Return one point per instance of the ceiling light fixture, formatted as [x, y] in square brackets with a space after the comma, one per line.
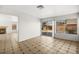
[40, 6]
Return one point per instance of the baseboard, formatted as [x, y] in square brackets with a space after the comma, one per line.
[29, 38]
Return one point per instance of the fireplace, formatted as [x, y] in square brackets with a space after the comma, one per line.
[2, 30]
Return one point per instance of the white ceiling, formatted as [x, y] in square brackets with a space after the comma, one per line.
[47, 11]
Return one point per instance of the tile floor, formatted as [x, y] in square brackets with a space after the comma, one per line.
[48, 45]
[38, 45]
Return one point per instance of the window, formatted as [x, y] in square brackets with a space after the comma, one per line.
[67, 26]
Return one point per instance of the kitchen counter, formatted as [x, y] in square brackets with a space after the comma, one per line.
[46, 30]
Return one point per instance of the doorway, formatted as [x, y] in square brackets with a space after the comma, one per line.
[48, 28]
[9, 26]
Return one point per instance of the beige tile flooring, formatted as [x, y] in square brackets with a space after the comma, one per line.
[38, 45]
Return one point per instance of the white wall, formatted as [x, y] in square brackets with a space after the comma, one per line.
[78, 28]
[53, 28]
[29, 27]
